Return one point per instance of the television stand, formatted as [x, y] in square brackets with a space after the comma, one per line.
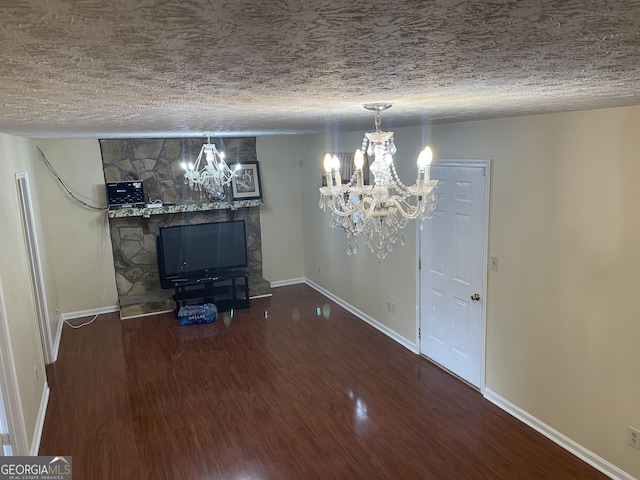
[221, 290]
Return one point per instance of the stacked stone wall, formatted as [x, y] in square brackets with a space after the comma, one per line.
[157, 162]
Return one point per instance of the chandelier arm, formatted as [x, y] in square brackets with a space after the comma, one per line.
[369, 211]
[196, 167]
[406, 209]
[400, 187]
[366, 206]
[413, 212]
[338, 199]
[340, 208]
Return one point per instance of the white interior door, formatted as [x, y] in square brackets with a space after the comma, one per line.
[453, 252]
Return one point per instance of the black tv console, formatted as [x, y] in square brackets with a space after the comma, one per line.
[221, 290]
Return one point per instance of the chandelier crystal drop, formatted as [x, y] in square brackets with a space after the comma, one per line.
[211, 176]
[377, 213]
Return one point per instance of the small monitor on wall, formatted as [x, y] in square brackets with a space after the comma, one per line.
[125, 194]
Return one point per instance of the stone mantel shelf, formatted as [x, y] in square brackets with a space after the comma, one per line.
[182, 208]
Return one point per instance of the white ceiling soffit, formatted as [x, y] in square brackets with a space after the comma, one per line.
[149, 68]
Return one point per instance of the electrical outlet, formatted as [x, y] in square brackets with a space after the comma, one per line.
[391, 307]
[634, 438]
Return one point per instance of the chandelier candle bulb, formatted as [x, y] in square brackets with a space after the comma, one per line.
[336, 165]
[358, 159]
[424, 162]
[358, 162]
[328, 166]
[328, 163]
[427, 167]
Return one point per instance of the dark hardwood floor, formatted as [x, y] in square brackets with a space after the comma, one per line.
[296, 395]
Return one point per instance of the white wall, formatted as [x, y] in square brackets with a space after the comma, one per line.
[562, 322]
[79, 237]
[17, 155]
[46, 255]
[281, 214]
[360, 280]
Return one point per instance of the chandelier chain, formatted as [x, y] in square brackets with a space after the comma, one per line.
[378, 121]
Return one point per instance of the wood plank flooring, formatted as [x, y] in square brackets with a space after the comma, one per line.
[310, 392]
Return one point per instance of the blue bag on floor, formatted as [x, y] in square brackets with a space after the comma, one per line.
[196, 314]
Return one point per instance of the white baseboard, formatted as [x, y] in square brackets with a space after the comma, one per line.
[139, 315]
[56, 340]
[565, 442]
[284, 283]
[562, 440]
[89, 313]
[366, 318]
[37, 432]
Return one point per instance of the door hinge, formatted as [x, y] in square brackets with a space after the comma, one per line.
[419, 333]
[6, 440]
[419, 264]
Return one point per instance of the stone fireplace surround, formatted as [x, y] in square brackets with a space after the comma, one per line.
[133, 237]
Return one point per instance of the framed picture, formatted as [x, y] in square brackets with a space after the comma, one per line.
[245, 183]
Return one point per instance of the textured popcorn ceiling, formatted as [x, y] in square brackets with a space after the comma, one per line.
[89, 68]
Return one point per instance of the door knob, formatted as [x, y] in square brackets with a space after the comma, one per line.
[475, 297]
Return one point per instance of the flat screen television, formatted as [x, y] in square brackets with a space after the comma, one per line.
[200, 251]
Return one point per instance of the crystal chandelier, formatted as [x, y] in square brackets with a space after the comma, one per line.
[211, 177]
[377, 213]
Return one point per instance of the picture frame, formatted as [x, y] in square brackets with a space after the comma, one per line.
[245, 183]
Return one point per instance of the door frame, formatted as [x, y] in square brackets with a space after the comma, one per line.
[485, 260]
[10, 390]
[30, 232]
